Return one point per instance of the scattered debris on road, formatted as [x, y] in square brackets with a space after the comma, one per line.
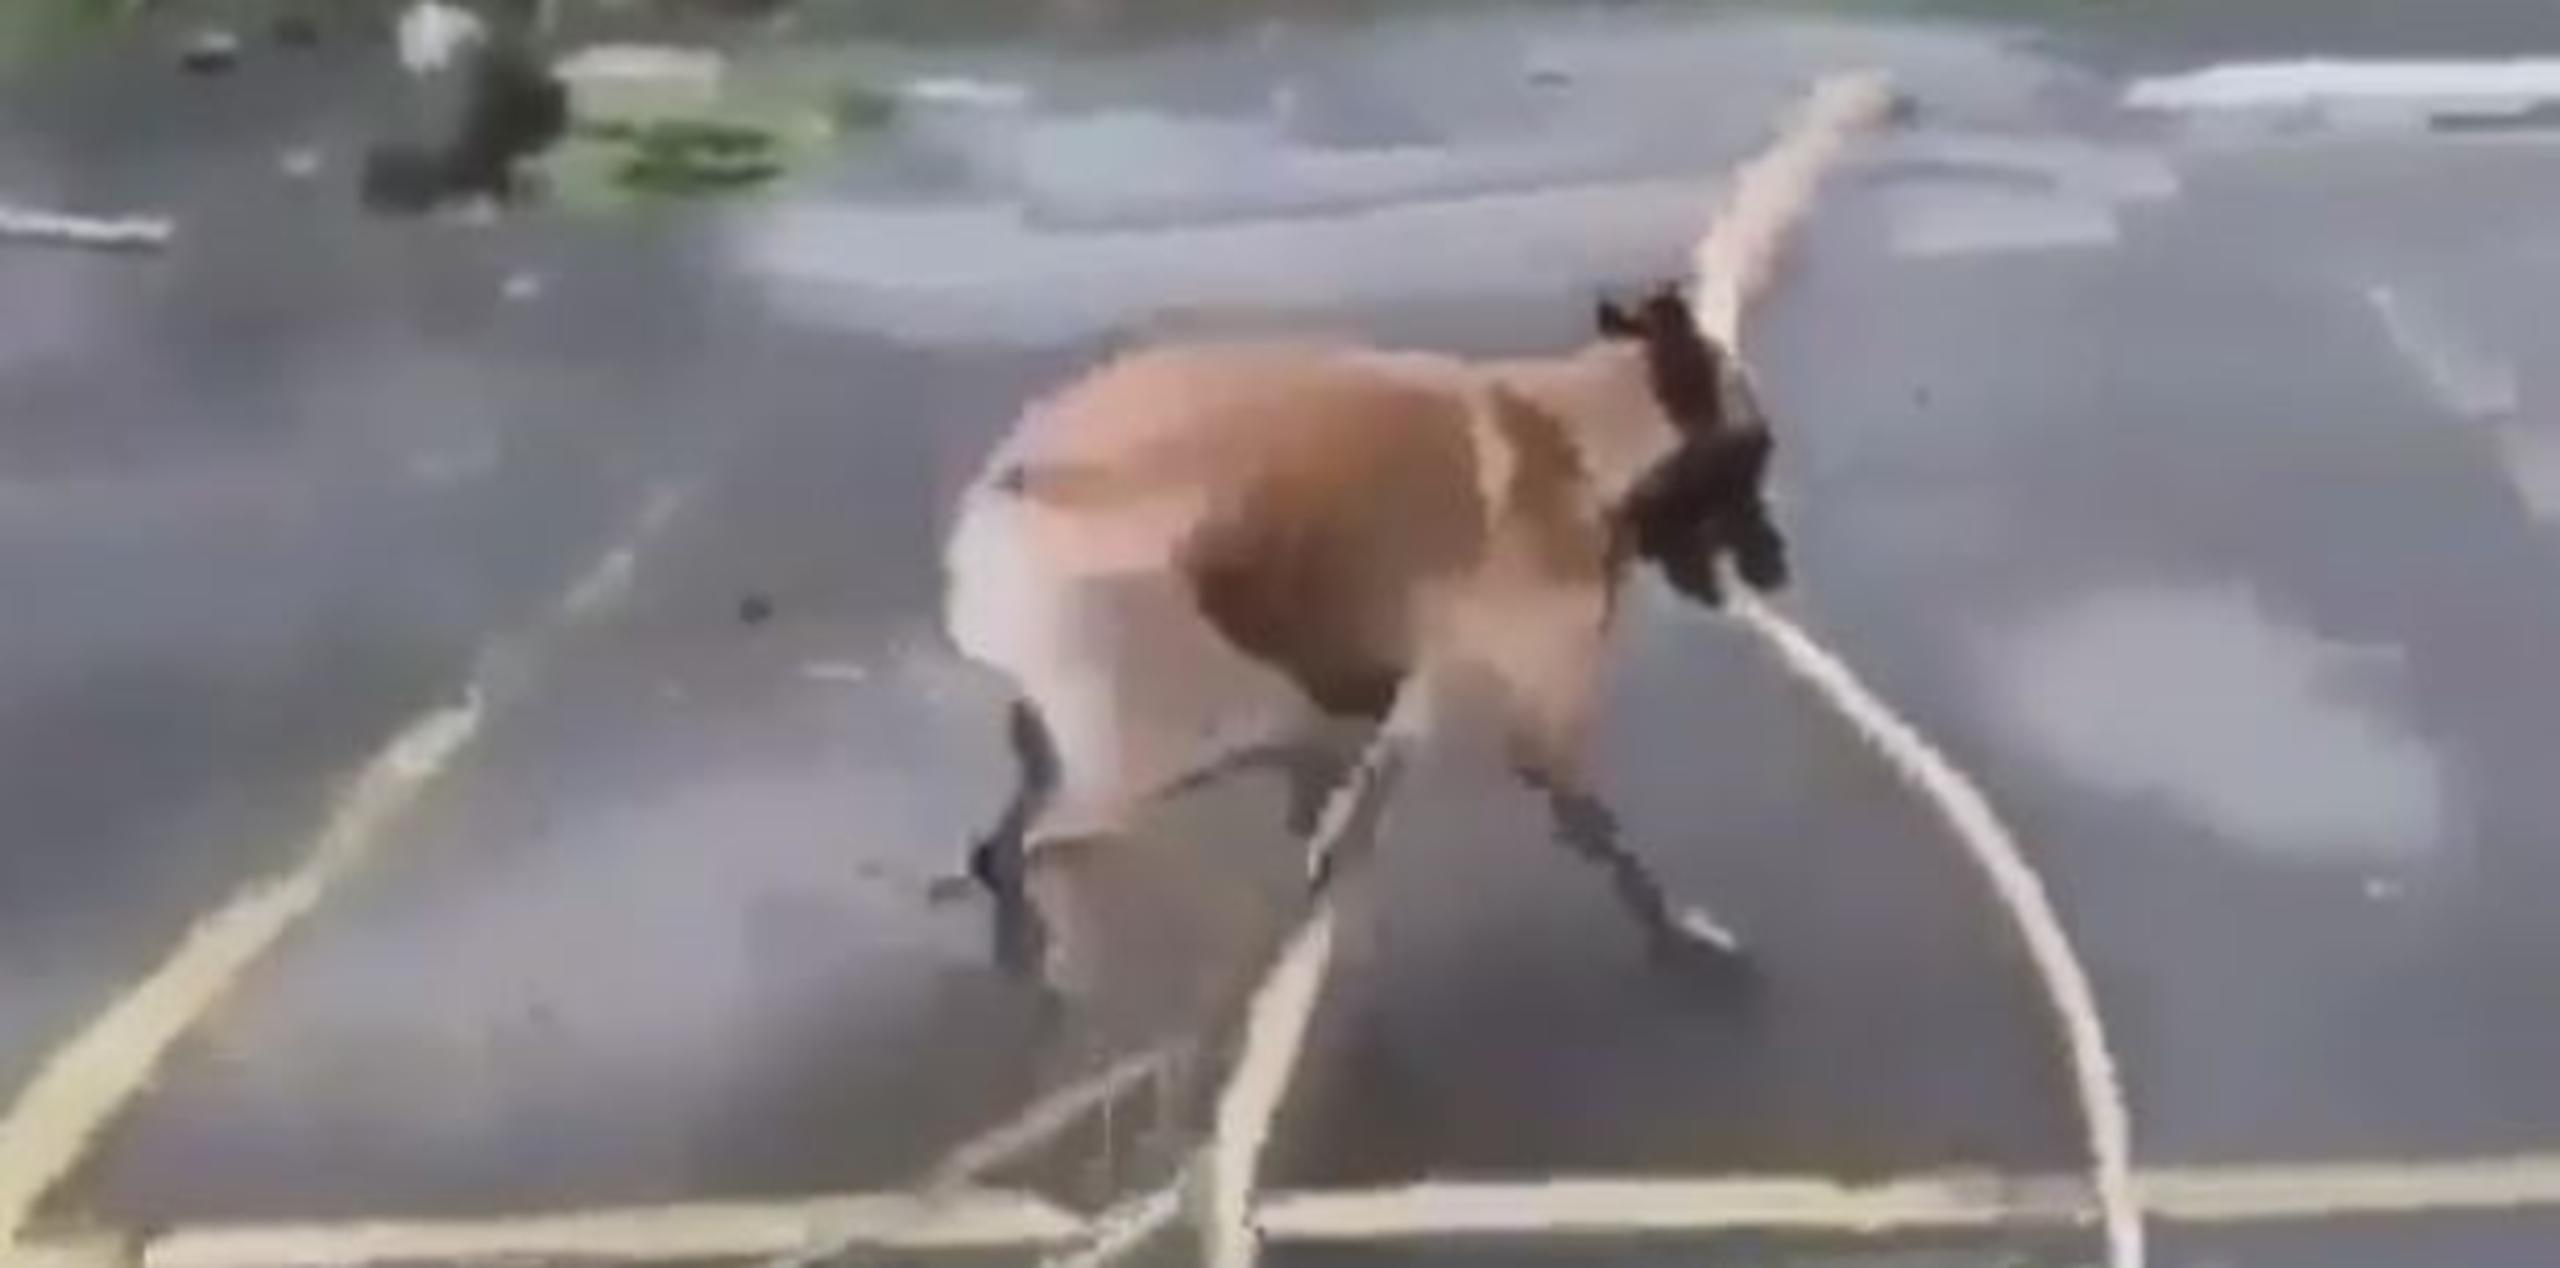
[300, 163]
[755, 609]
[695, 156]
[432, 34]
[620, 80]
[21, 224]
[958, 91]
[659, 122]
[513, 108]
[210, 52]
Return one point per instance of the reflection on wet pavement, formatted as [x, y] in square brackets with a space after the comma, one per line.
[2202, 700]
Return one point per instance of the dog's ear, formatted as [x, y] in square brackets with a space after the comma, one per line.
[1739, 459]
[1614, 322]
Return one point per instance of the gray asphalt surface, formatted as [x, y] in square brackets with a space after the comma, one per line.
[2187, 482]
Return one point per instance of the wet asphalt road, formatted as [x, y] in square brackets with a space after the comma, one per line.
[2187, 482]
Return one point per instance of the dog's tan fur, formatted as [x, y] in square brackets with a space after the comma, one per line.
[1298, 527]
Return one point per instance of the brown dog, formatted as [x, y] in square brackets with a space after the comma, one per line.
[1189, 556]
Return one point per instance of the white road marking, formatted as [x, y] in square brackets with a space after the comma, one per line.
[2232, 1195]
[2336, 81]
[1609, 1206]
[609, 578]
[2099, 1089]
[1043, 1119]
[110, 233]
[1735, 262]
[95, 1250]
[1768, 195]
[1126, 1226]
[2466, 378]
[1275, 1033]
[1566, 1206]
[690, 1231]
[1554, 1208]
[1276, 1017]
[965, 1164]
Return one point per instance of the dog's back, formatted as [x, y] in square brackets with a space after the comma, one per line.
[1305, 496]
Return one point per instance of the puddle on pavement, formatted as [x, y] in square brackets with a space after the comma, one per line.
[2204, 699]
